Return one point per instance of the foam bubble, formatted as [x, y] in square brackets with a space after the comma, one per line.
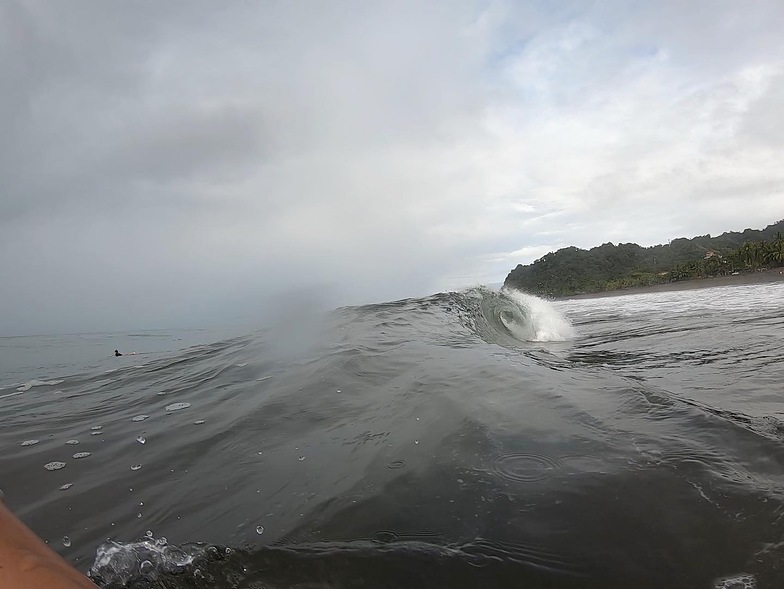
[118, 565]
[66, 486]
[136, 466]
[177, 406]
[66, 541]
[30, 442]
[140, 418]
[54, 465]
[72, 442]
[79, 455]
[739, 581]
[141, 439]
[259, 530]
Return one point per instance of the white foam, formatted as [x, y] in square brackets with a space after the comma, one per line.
[11, 394]
[37, 383]
[547, 324]
[177, 406]
[118, 564]
[739, 581]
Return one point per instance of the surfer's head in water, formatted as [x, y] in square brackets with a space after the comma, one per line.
[117, 353]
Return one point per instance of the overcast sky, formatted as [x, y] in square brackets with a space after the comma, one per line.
[182, 163]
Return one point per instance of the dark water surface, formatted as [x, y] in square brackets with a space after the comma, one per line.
[467, 439]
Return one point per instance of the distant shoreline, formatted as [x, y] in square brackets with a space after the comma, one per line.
[759, 277]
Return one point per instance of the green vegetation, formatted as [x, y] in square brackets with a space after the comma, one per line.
[572, 270]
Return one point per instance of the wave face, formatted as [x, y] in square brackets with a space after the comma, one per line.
[467, 439]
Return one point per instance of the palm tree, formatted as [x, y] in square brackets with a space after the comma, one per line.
[753, 253]
[776, 250]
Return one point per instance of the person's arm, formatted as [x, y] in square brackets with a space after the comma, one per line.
[27, 563]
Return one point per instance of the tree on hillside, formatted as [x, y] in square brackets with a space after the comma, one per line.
[776, 251]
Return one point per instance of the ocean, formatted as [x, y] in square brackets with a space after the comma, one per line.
[466, 439]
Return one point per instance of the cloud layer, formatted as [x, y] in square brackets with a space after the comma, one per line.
[183, 163]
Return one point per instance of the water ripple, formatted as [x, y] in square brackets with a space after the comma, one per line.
[524, 468]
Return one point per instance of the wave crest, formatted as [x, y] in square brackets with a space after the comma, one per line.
[511, 317]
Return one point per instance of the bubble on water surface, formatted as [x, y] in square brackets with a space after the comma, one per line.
[198, 422]
[30, 442]
[741, 581]
[66, 541]
[54, 465]
[95, 433]
[141, 439]
[72, 442]
[66, 486]
[96, 427]
[177, 406]
[79, 455]
[259, 530]
[140, 418]
[136, 466]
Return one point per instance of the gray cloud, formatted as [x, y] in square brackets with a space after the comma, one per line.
[185, 163]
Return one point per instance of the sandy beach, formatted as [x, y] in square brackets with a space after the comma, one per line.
[760, 277]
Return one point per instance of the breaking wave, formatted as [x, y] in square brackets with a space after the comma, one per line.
[511, 317]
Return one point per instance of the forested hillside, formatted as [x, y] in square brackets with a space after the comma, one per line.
[609, 267]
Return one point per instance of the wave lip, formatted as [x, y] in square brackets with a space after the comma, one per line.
[545, 323]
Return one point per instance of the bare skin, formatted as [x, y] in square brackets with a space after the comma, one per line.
[26, 562]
